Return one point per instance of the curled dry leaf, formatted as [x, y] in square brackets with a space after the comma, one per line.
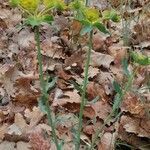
[94, 90]
[107, 142]
[99, 59]
[140, 127]
[5, 145]
[33, 116]
[68, 97]
[3, 130]
[93, 71]
[133, 105]
[38, 142]
[51, 49]
[102, 109]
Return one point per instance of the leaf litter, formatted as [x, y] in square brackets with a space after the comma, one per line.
[23, 125]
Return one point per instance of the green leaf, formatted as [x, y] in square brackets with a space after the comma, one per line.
[101, 27]
[50, 85]
[32, 21]
[117, 103]
[48, 19]
[125, 67]
[111, 15]
[86, 29]
[41, 104]
[14, 3]
[140, 58]
[117, 87]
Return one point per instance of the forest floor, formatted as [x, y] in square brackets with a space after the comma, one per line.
[24, 126]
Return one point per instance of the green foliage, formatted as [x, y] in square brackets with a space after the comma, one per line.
[111, 15]
[39, 20]
[140, 58]
[14, 3]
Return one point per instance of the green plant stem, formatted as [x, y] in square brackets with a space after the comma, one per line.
[43, 87]
[126, 89]
[83, 100]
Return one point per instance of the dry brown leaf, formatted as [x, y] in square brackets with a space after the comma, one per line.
[51, 49]
[99, 44]
[3, 130]
[133, 105]
[134, 125]
[20, 122]
[102, 109]
[23, 146]
[94, 90]
[107, 142]
[118, 52]
[68, 97]
[38, 141]
[33, 116]
[92, 72]
[99, 59]
[5, 145]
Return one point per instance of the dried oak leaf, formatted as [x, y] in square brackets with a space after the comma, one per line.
[93, 71]
[34, 116]
[3, 130]
[5, 145]
[94, 90]
[140, 127]
[133, 105]
[99, 59]
[68, 97]
[26, 93]
[23, 145]
[102, 109]
[51, 49]
[107, 142]
[38, 141]
[8, 75]
[118, 52]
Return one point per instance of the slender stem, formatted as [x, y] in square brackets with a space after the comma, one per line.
[126, 89]
[83, 100]
[43, 87]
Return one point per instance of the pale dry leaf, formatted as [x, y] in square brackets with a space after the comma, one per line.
[23, 146]
[38, 141]
[3, 130]
[25, 38]
[133, 105]
[93, 71]
[99, 59]
[102, 109]
[5, 145]
[107, 141]
[21, 123]
[50, 49]
[34, 116]
[68, 97]
[99, 42]
[133, 125]
[14, 130]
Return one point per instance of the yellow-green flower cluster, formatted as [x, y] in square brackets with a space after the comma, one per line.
[91, 15]
[32, 6]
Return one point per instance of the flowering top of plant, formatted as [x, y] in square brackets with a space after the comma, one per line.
[37, 10]
[92, 15]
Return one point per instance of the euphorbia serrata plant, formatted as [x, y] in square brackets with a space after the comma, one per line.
[36, 12]
[91, 19]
